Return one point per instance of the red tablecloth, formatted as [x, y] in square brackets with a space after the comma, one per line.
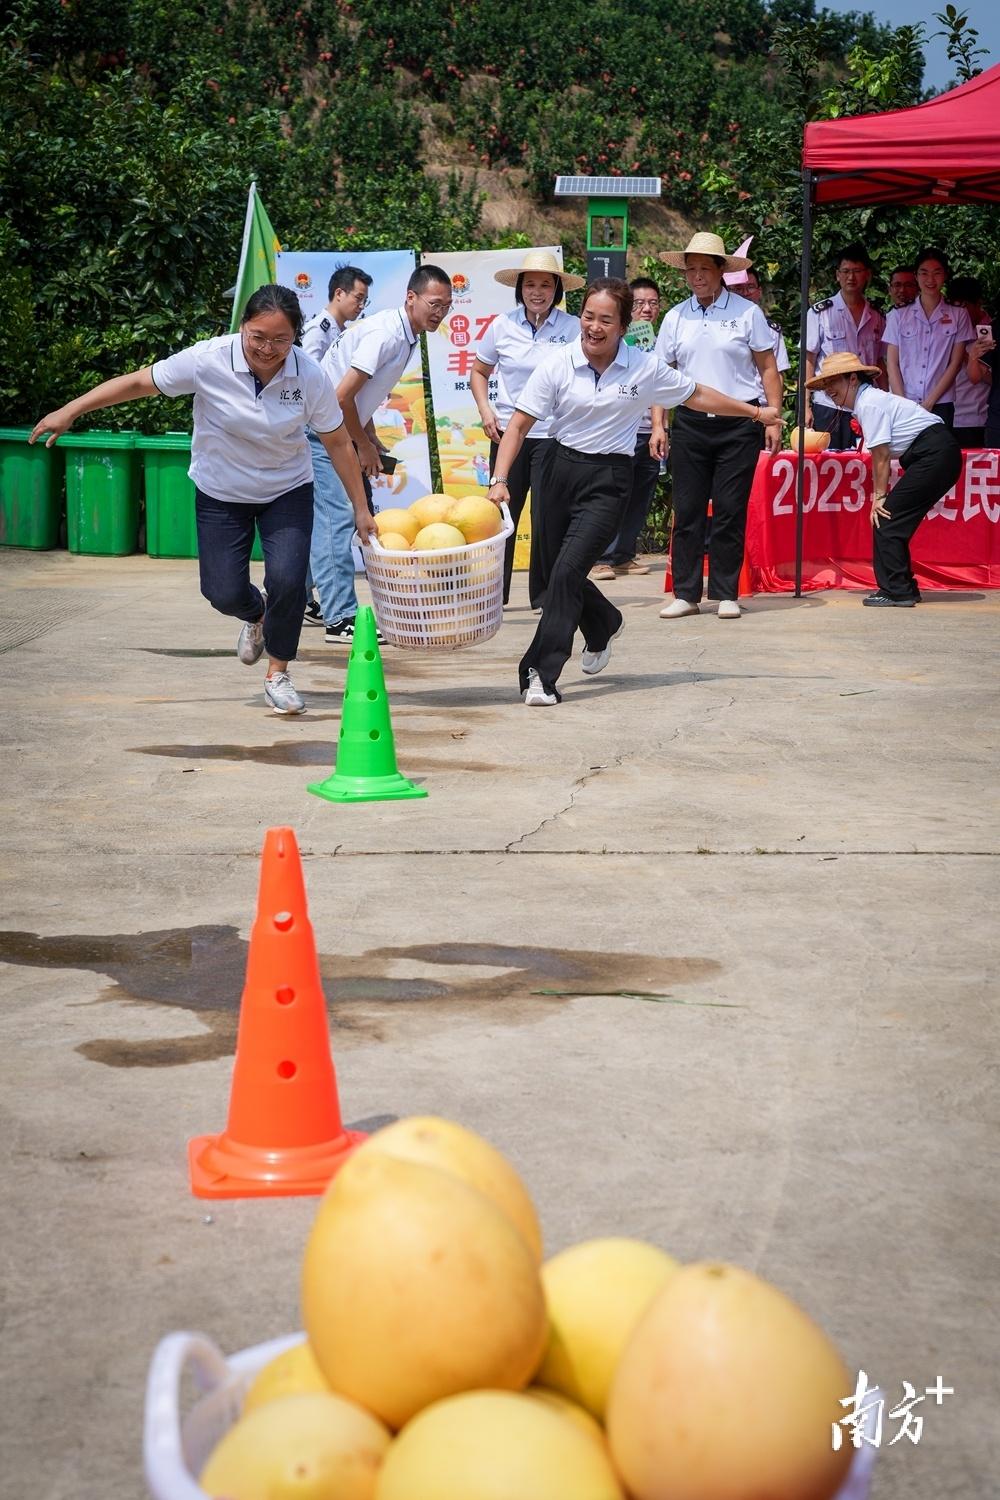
[956, 547]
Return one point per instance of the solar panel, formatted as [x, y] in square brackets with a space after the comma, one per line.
[608, 187]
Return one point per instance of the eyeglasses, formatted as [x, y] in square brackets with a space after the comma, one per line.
[361, 298]
[435, 307]
[258, 341]
[645, 301]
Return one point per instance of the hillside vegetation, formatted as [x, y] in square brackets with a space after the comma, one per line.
[131, 128]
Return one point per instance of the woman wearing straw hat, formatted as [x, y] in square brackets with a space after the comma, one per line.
[595, 393]
[929, 456]
[722, 340]
[512, 347]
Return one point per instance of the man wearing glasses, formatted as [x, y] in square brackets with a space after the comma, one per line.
[363, 367]
[620, 556]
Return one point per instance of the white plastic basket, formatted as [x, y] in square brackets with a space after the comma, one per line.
[439, 601]
[176, 1447]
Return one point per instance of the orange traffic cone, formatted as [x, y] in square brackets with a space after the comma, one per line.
[284, 1136]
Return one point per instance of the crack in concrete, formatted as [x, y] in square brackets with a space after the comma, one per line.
[578, 787]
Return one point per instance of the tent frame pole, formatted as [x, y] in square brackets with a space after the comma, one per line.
[808, 201]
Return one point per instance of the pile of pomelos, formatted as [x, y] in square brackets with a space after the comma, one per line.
[436, 522]
[445, 1361]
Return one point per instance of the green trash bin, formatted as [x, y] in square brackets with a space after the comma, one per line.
[30, 491]
[171, 527]
[102, 492]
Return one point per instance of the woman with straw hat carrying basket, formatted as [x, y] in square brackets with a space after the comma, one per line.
[722, 340]
[512, 347]
[928, 455]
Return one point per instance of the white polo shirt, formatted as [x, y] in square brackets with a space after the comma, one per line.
[601, 413]
[380, 347]
[715, 345]
[512, 343]
[925, 345]
[831, 329]
[885, 418]
[249, 444]
[320, 333]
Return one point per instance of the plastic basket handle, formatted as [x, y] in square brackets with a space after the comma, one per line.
[175, 1355]
[508, 526]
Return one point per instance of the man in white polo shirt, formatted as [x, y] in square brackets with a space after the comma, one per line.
[844, 323]
[363, 367]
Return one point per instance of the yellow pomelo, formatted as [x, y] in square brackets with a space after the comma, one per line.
[288, 1374]
[815, 441]
[476, 518]
[451, 1148]
[490, 1445]
[399, 521]
[305, 1447]
[596, 1292]
[394, 541]
[556, 1401]
[415, 1286]
[727, 1391]
[431, 508]
[437, 536]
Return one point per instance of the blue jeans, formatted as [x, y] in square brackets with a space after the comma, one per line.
[331, 561]
[225, 537]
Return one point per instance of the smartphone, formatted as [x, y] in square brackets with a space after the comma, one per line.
[388, 463]
[984, 330]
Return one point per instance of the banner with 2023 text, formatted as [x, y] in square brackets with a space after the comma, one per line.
[463, 447]
[401, 420]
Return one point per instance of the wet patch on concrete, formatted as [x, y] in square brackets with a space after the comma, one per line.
[201, 970]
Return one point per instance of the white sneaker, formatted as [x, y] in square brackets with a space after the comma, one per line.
[535, 695]
[281, 695]
[678, 610]
[250, 646]
[595, 661]
[729, 609]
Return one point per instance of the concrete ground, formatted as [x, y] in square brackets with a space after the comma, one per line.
[708, 950]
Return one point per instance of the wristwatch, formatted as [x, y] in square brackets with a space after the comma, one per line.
[497, 479]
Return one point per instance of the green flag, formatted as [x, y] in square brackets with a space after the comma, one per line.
[257, 265]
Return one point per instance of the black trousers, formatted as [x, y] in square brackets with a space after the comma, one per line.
[585, 495]
[930, 465]
[645, 473]
[711, 458]
[527, 472]
[970, 437]
[837, 423]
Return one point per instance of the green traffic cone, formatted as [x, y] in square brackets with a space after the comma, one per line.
[366, 769]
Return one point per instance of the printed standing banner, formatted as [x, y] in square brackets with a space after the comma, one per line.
[463, 448]
[401, 421]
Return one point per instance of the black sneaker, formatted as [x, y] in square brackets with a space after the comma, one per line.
[342, 631]
[884, 601]
[313, 614]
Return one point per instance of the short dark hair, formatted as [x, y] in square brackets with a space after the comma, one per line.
[902, 271]
[968, 288]
[931, 252]
[274, 298]
[343, 280]
[854, 251]
[425, 276]
[644, 283]
[752, 271]
[619, 291]
[519, 285]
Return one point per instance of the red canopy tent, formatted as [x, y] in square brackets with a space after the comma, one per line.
[944, 151]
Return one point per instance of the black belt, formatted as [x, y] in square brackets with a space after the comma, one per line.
[576, 456]
[934, 436]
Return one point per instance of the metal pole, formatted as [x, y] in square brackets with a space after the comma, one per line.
[808, 194]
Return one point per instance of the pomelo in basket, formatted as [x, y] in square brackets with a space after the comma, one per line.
[596, 1293]
[556, 1401]
[312, 1447]
[436, 537]
[451, 1148]
[815, 441]
[477, 519]
[727, 1391]
[431, 508]
[402, 522]
[491, 1445]
[416, 1286]
[288, 1374]
[394, 541]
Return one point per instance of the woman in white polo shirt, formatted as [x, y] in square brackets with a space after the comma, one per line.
[594, 394]
[720, 339]
[254, 393]
[511, 349]
[928, 455]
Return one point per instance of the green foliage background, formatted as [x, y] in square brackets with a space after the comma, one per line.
[129, 131]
